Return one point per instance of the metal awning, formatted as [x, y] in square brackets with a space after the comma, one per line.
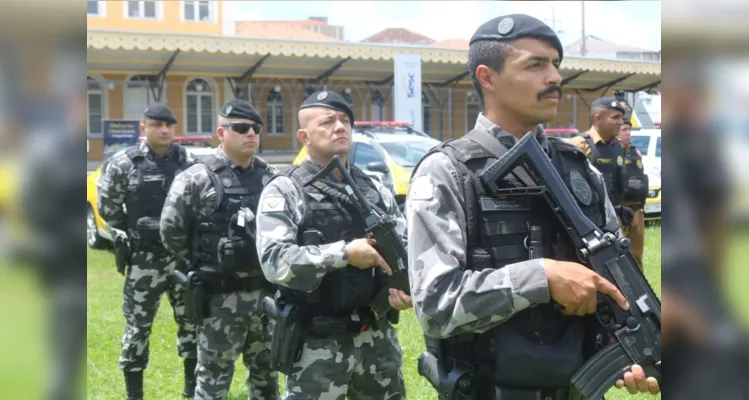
[254, 58]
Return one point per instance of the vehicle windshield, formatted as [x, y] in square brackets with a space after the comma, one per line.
[642, 142]
[658, 147]
[407, 154]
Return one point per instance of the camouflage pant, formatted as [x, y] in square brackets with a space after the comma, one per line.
[68, 339]
[361, 366]
[234, 327]
[148, 278]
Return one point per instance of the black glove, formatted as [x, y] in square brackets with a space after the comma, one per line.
[627, 216]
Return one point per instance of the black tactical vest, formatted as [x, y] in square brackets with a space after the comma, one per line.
[609, 160]
[148, 186]
[329, 217]
[537, 347]
[635, 180]
[224, 241]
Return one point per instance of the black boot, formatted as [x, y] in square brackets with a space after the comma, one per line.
[134, 385]
[189, 390]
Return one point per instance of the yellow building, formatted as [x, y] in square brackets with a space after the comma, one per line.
[190, 54]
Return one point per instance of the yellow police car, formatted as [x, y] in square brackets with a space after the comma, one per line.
[98, 233]
[387, 151]
[648, 141]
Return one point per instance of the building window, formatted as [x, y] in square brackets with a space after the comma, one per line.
[426, 114]
[95, 8]
[473, 109]
[95, 107]
[378, 106]
[200, 102]
[141, 9]
[349, 99]
[138, 95]
[197, 11]
[275, 113]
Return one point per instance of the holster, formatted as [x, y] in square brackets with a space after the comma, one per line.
[286, 344]
[457, 384]
[196, 299]
[626, 214]
[122, 254]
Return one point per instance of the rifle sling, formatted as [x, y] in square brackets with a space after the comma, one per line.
[492, 145]
[336, 193]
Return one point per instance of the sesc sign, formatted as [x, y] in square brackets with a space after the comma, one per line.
[407, 89]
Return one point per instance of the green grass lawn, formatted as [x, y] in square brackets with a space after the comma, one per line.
[163, 378]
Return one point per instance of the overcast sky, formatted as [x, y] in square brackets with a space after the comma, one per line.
[634, 23]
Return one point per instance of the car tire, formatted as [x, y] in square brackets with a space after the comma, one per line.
[94, 240]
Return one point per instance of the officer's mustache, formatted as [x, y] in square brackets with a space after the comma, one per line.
[550, 90]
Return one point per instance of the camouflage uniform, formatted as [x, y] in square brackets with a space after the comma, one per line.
[234, 325]
[449, 300]
[148, 276]
[362, 365]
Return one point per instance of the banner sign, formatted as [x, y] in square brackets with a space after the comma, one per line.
[119, 134]
[407, 90]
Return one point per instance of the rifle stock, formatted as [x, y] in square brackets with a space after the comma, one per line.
[381, 228]
[637, 331]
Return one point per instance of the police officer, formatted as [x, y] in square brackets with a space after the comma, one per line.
[482, 298]
[602, 147]
[635, 191]
[209, 219]
[132, 190]
[310, 241]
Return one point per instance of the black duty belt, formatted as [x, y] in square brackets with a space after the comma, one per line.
[634, 206]
[220, 285]
[502, 393]
[328, 325]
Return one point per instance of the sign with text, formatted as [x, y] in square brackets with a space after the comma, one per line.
[407, 89]
[119, 134]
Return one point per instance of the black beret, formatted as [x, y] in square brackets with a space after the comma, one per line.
[610, 103]
[516, 26]
[331, 100]
[159, 112]
[238, 108]
[627, 121]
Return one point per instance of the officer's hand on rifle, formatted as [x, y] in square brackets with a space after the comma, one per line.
[363, 255]
[635, 381]
[399, 300]
[574, 286]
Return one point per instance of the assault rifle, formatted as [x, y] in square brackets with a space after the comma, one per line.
[637, 332]
[381, 228]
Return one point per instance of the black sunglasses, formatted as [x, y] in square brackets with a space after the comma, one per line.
[244, 127]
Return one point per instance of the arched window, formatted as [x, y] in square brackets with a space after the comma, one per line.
[473, 108]
[275, 113]
[199, 102]
[138, 95]
[94, 106]
[378, 106]
[426, 114]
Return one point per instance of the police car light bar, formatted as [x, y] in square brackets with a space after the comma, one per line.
[381, 123]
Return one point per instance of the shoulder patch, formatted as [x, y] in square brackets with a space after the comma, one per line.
[273, 204]
[422, 188]
[178, 187]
